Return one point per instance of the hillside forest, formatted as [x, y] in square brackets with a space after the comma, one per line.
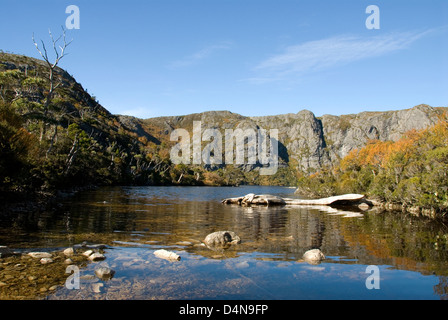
[56, 136]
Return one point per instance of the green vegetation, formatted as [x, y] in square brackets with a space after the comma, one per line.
[68, 140]
[412, 171]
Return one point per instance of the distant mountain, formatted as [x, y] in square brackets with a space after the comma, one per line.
[80, 142]
[306, 141]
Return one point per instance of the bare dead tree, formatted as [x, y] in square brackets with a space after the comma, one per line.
[59, 51]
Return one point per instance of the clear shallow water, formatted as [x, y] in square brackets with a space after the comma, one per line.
[411, 253]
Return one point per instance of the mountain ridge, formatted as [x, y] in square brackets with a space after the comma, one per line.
[314, 141]
[133, 148]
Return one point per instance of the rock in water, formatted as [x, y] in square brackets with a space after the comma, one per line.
[96, 287]
[104, 273]
[96, 256]
[87, 253]
[46, 260]
[167, 255]
[222, 239]
[314, 256]
[39, 255]
[69, 252]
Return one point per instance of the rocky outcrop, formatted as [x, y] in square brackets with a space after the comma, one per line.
[314, 142]
[347, 132]
[307, 141]
[302, 135]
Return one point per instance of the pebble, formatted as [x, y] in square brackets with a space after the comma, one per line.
[23, 278]
[184, 243]
[39, 255]
[87, 253]
[46, 260]
[104, 273]
[96, 256]
[69, 251]
[88, 277]
[96, 287]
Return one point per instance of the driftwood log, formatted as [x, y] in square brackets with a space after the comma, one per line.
[267, 199]
[252, 198]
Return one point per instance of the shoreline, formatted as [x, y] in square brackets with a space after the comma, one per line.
[37, 201]
[418, 211]
[40, 201]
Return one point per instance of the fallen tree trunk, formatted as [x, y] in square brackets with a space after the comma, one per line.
[266, 199]
[252, 198]
[342, 199]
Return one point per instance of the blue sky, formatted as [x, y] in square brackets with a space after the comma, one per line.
[252, 57]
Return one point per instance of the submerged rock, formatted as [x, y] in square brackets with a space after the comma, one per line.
[96, 287]
[167, 255]
[96, 256]
[104, 273]
[221, 239]
[46, 260]
[39, 255]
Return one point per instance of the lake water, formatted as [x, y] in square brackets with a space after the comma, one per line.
[409, 254]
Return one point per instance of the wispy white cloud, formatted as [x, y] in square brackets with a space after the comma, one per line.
[322, 54]
[200, 55]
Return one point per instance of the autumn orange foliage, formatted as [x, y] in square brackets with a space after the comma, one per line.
[413, 169]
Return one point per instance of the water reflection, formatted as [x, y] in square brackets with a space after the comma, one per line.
[178, 218]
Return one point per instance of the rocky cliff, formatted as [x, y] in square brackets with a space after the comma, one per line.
[306, 141]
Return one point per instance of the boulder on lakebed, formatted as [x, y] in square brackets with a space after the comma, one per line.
[221, 239]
